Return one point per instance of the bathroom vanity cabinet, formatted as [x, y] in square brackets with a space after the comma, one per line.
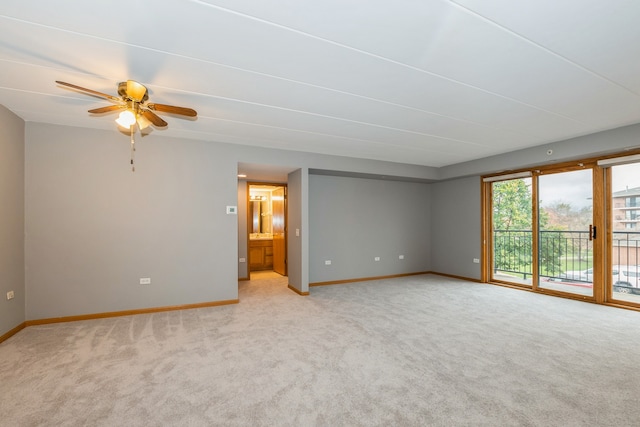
[261, 254]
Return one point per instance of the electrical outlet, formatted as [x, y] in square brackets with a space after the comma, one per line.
[243, 260]
[476, 261]
[145, 281]
[10, 295]
[400, 256]
[327, 262]
[377, 258]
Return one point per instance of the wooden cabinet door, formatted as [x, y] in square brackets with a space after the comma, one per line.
[256, 257]
[278, 206]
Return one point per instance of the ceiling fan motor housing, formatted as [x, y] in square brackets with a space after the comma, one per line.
[133, 90]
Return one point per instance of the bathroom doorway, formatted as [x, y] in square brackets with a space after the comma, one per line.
[266, 227]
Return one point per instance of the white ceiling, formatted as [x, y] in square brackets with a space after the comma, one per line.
[428, 82]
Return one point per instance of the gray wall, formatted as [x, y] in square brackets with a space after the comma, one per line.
[354, 220]
[12, 312]
[606, 142]
[298, 219]
[94, 227]
[243, 267]
[455, 227]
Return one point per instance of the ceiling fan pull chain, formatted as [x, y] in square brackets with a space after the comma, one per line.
[133, 150]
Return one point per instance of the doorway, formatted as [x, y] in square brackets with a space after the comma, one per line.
[266, 228]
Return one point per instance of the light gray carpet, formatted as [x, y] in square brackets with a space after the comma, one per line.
[415, 351]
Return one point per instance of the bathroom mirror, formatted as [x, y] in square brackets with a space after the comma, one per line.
[260, 213]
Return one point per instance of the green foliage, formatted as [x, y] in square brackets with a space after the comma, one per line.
[512, 224]
[552, 246]
[512, 205]
[513, 235]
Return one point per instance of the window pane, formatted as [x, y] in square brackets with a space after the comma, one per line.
[565, 252]
[625, 200]
[512, 231]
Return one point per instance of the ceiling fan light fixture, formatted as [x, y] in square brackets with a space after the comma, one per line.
[126, 119]
[143, 123]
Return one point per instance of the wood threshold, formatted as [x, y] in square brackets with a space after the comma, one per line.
[543, 291]
[453, 276]
[13, 331]
[619, 305]
[565, 295]
[304, 294]
[128, 312]
[568, 295]
[364, 279]
[522, 287]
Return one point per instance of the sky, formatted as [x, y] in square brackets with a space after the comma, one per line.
[575, 187]
[626, 175]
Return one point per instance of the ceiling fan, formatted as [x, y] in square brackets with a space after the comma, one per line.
[134, 108]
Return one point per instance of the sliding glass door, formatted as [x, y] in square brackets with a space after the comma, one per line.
[512, 231]
[624, 237]
[541, 232]
[566, 231]
[572, 230]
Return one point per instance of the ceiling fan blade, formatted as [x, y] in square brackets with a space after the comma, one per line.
[107, 109]
[173, 109]
[153, 118]
[89, 91]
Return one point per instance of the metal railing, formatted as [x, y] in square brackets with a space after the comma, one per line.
[561, 253]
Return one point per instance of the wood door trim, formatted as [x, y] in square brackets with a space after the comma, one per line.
[248, 191]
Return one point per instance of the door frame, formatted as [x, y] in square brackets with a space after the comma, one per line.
[599, 219]
[607, 166]
[598, 245]
[603, 220]
[249, 222]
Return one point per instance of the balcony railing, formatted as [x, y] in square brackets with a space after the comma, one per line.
[560, 252]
